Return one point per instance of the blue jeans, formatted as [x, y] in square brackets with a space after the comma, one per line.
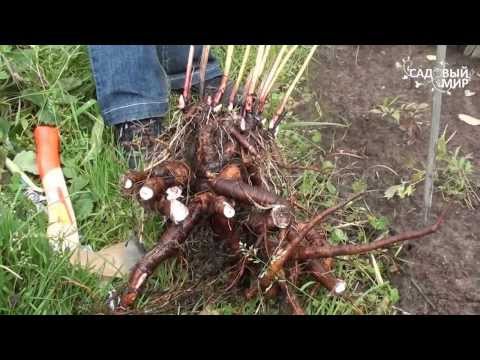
[133, 82]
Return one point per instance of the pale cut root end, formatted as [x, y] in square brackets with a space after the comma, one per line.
[340, 287]
[146, 193]
[174, 192]
[128, 184]
[228, 210]
[243, 125]
[178, 211]
[181, 102]
[281, 216]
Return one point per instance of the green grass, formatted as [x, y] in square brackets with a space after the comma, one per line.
[53, 84]
[455, 174]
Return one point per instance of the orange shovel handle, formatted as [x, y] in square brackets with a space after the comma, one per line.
[47, 141]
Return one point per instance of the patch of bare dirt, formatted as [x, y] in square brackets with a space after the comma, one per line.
[442, 272]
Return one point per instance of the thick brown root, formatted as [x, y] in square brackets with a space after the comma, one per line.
[245, 193]
[341, 250]
[226, 179]
[168, 246]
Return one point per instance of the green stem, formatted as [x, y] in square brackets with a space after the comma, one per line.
[274, 122]
[239, 78]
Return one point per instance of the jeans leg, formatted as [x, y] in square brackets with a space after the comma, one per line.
[174, 59]
[131, 83]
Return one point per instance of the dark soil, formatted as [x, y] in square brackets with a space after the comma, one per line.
[441, 274]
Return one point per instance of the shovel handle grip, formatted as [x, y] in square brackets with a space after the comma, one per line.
[47, 141]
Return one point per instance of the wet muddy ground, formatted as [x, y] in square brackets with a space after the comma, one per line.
[441, 273]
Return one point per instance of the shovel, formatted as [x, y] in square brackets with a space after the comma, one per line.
[113, 261]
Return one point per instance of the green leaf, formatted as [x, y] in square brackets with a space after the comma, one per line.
[396, 115]
[78, 184]
[338, 235]
[95, 140]
[331, 188]
[418, 176]
[379, 224]
[308, 182]
[317, 137]
[3, 156]
[25, 160]
[69, 173]
[441, 148]
[468, 167]
[83, 206]
[4, 128]
[35, 98]
[275, 97]
[4, 75]
[85, 107]
[23, 61]
[5, 48]
[394, 295]
[46, 116]
[327, 165]
[391, 191]
[69, 83]
[66, 99]
[406, 191]
[359, 185]
[15, 183]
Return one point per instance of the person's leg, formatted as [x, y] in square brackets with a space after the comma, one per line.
[131, 83]
[174, 60]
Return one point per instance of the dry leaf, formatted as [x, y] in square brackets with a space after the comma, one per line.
[391, 191]
[209, 311]
[470, 120]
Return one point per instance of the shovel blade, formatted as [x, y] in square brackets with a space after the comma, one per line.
[114, 261]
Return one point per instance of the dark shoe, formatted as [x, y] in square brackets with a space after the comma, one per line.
[138, 139]
[212, 85]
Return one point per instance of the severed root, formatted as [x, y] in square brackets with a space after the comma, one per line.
[284, 254]
[169, 207]
[319, 270]
[226, 230]
[170, 176]
[245, 193]
[160, 177]
[340, 250]
[154, 188]
[168, 246]
[132, 181]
